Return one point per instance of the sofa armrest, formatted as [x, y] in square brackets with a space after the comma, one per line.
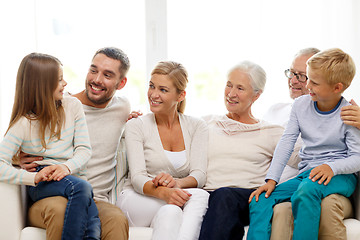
[12, 210]
[356, 198]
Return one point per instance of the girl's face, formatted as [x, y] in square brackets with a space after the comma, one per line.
[163, 95]
[58, 93]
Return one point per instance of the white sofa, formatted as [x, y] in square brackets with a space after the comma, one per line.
[13, 210]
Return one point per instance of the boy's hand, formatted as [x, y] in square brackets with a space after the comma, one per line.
[322, 172]
[268, 188]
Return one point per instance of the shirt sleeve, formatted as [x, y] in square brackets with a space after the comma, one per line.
[8, 148]
[134, 142]
[285, 147]
[82, 147]
[199, 153]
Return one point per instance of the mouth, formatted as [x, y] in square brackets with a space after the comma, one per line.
[231, 101]
[154, 102]
[95, 88]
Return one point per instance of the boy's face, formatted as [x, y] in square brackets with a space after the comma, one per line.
[319, 89]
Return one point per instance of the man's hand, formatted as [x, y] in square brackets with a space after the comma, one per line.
[322, 172]
[134, 114]
[351, 114]
[268, 188]
[26, 161]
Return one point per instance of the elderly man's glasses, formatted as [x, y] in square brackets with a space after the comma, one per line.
[299, 76]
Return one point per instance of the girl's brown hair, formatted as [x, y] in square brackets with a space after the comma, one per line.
[36, 81]
[178, 74]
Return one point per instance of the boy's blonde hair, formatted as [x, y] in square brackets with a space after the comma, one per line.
[335, 65]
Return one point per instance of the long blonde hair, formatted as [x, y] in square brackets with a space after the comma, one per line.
[178, 74]
[36, 81]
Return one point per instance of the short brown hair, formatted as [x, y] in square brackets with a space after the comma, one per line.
[335, 65]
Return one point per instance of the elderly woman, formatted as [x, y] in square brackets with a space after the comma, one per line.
[240, 151]
[167, 155]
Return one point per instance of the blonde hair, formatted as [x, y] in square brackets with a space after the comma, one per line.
[335, 65]
[36, 81]
[178, 74]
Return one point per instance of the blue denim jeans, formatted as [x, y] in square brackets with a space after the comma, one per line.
[81, 219]
[305, 196]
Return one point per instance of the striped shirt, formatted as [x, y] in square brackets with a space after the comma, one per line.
[72, 149]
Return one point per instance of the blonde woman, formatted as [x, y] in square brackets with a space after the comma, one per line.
[167, 155]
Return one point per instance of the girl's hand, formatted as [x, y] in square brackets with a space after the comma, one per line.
[41, 176]
[351, 114]
[165, 180]
[322, 172]
[176, 196]
[58, 172]
[268, 188]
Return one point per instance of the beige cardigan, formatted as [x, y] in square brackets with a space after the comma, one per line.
[146, 156]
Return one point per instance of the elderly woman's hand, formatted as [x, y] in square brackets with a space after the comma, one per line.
[165, 180]
[351, 114]
[268, 188]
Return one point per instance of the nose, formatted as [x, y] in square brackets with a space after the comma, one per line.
[65, 83]
[294, 79]
[232, 92]
[98, 79]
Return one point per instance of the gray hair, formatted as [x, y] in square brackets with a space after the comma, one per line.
[307, 51]
[255, 73]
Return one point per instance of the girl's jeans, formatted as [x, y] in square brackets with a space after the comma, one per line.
[81, 219]
[305, 196]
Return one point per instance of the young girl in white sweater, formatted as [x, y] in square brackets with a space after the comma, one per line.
[45, 124]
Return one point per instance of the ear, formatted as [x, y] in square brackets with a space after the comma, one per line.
[257, 95]
[181, 96]
[122, 83]
[338, 88]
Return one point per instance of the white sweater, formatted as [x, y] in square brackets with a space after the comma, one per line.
[73, 149]
[146, 156]
[106, 126]
[239, 154]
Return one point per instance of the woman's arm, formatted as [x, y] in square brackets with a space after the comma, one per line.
[351, 114]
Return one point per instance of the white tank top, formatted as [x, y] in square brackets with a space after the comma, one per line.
[176, 158]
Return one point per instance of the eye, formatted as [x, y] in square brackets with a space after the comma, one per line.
[164, 90]
[151, 86]
[240, 88]
[92, 70]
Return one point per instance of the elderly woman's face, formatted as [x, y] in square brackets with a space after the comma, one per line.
[239, 94]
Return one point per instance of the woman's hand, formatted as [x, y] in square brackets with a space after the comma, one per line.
[176, 196]
[165, 180]
[26, 161]
[57, 172]
[351, 114]
[268, 188]
[322, 172]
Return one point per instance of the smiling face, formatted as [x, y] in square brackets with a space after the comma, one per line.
[326, 95]
[239, 94]
[162, 95]
[296, 88]
[59, 91]
[102, 80]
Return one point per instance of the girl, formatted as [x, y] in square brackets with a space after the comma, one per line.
[45, 124]
[167, 154]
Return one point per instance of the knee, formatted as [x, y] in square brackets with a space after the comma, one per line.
[283, 209]
[50, 210]
[308, 190]
[84, 188]
[221, 195]
[199, 194]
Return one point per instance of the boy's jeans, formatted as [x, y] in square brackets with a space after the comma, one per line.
[305, 196]
[81, 216]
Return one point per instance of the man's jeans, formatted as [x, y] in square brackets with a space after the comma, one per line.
[81, 216]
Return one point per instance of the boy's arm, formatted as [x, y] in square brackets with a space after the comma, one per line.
[284, 147]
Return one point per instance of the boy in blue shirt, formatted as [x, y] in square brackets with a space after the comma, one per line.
[330, 153]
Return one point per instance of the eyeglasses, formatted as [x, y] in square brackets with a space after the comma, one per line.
[299, 76]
